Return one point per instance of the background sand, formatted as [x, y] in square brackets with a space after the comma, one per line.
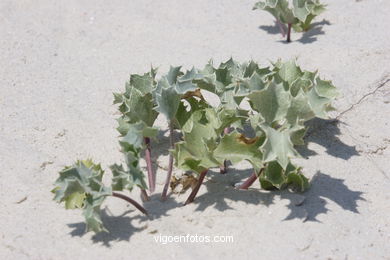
[60, 63]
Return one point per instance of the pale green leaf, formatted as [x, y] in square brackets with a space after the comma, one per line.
[278, 8]
[186, 83]
[274, 176]
[173, 74]
[80, 185]
[140, 107]
[289, 71]
[278, 146]
[300, 9]
[144, 83]
[167, 99]
[127, 179]
[75, 200]
[235, 147]
[318, 104]
[300, 109]
[326, 89]
[272, 103]
[91, 213]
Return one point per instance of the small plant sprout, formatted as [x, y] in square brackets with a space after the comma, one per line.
[296, 14]
[280, 99]
[80, 186]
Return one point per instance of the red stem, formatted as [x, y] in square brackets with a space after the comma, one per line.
[148, 159]
[196, 189]
[223, 168]
[131, 201]
[170, 164]
[289, 33]
[250, 180]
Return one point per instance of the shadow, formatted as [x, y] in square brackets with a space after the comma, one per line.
[160, 146]
[220, 189]
[272, 29]
[309, 36]
[221, 192]
[305, 206]
[315, 30]
[157, 209]
[304, 151]
[119, 229]
[324, 187]
[325, 133]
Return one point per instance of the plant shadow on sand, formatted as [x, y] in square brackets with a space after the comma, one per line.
[271, 29]
[160, 146]
[220, 191]
[315, 30]
[325, 133]
[306, 206]
[307, 37]
[120, 228]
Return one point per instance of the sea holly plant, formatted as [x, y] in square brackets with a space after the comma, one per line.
[281, 100]
[296, 14]
[138, 114]
[80, 186]
[259, 118]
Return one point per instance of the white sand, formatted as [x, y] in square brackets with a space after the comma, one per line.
[60, 63]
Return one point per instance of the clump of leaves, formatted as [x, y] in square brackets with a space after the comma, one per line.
[296, 14]
[80, 186]
[282, 98]
[279, 100]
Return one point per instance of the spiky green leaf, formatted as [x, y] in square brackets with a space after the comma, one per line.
[235, 147]
[272, 102]
[80, 186]
[278, 146]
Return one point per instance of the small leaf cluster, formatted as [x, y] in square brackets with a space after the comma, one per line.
[80, 186]
[299, 14]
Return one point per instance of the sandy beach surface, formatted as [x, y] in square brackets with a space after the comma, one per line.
[60, 61]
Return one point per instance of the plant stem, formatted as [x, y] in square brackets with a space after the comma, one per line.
[196, 189]
[249, 181]
[148, 159]
[170, 164]
[131, 201]
[289, 33]
[144, 195]
[281, 28]
[223, 168]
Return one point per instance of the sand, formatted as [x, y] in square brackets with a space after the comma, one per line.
[60, 63]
